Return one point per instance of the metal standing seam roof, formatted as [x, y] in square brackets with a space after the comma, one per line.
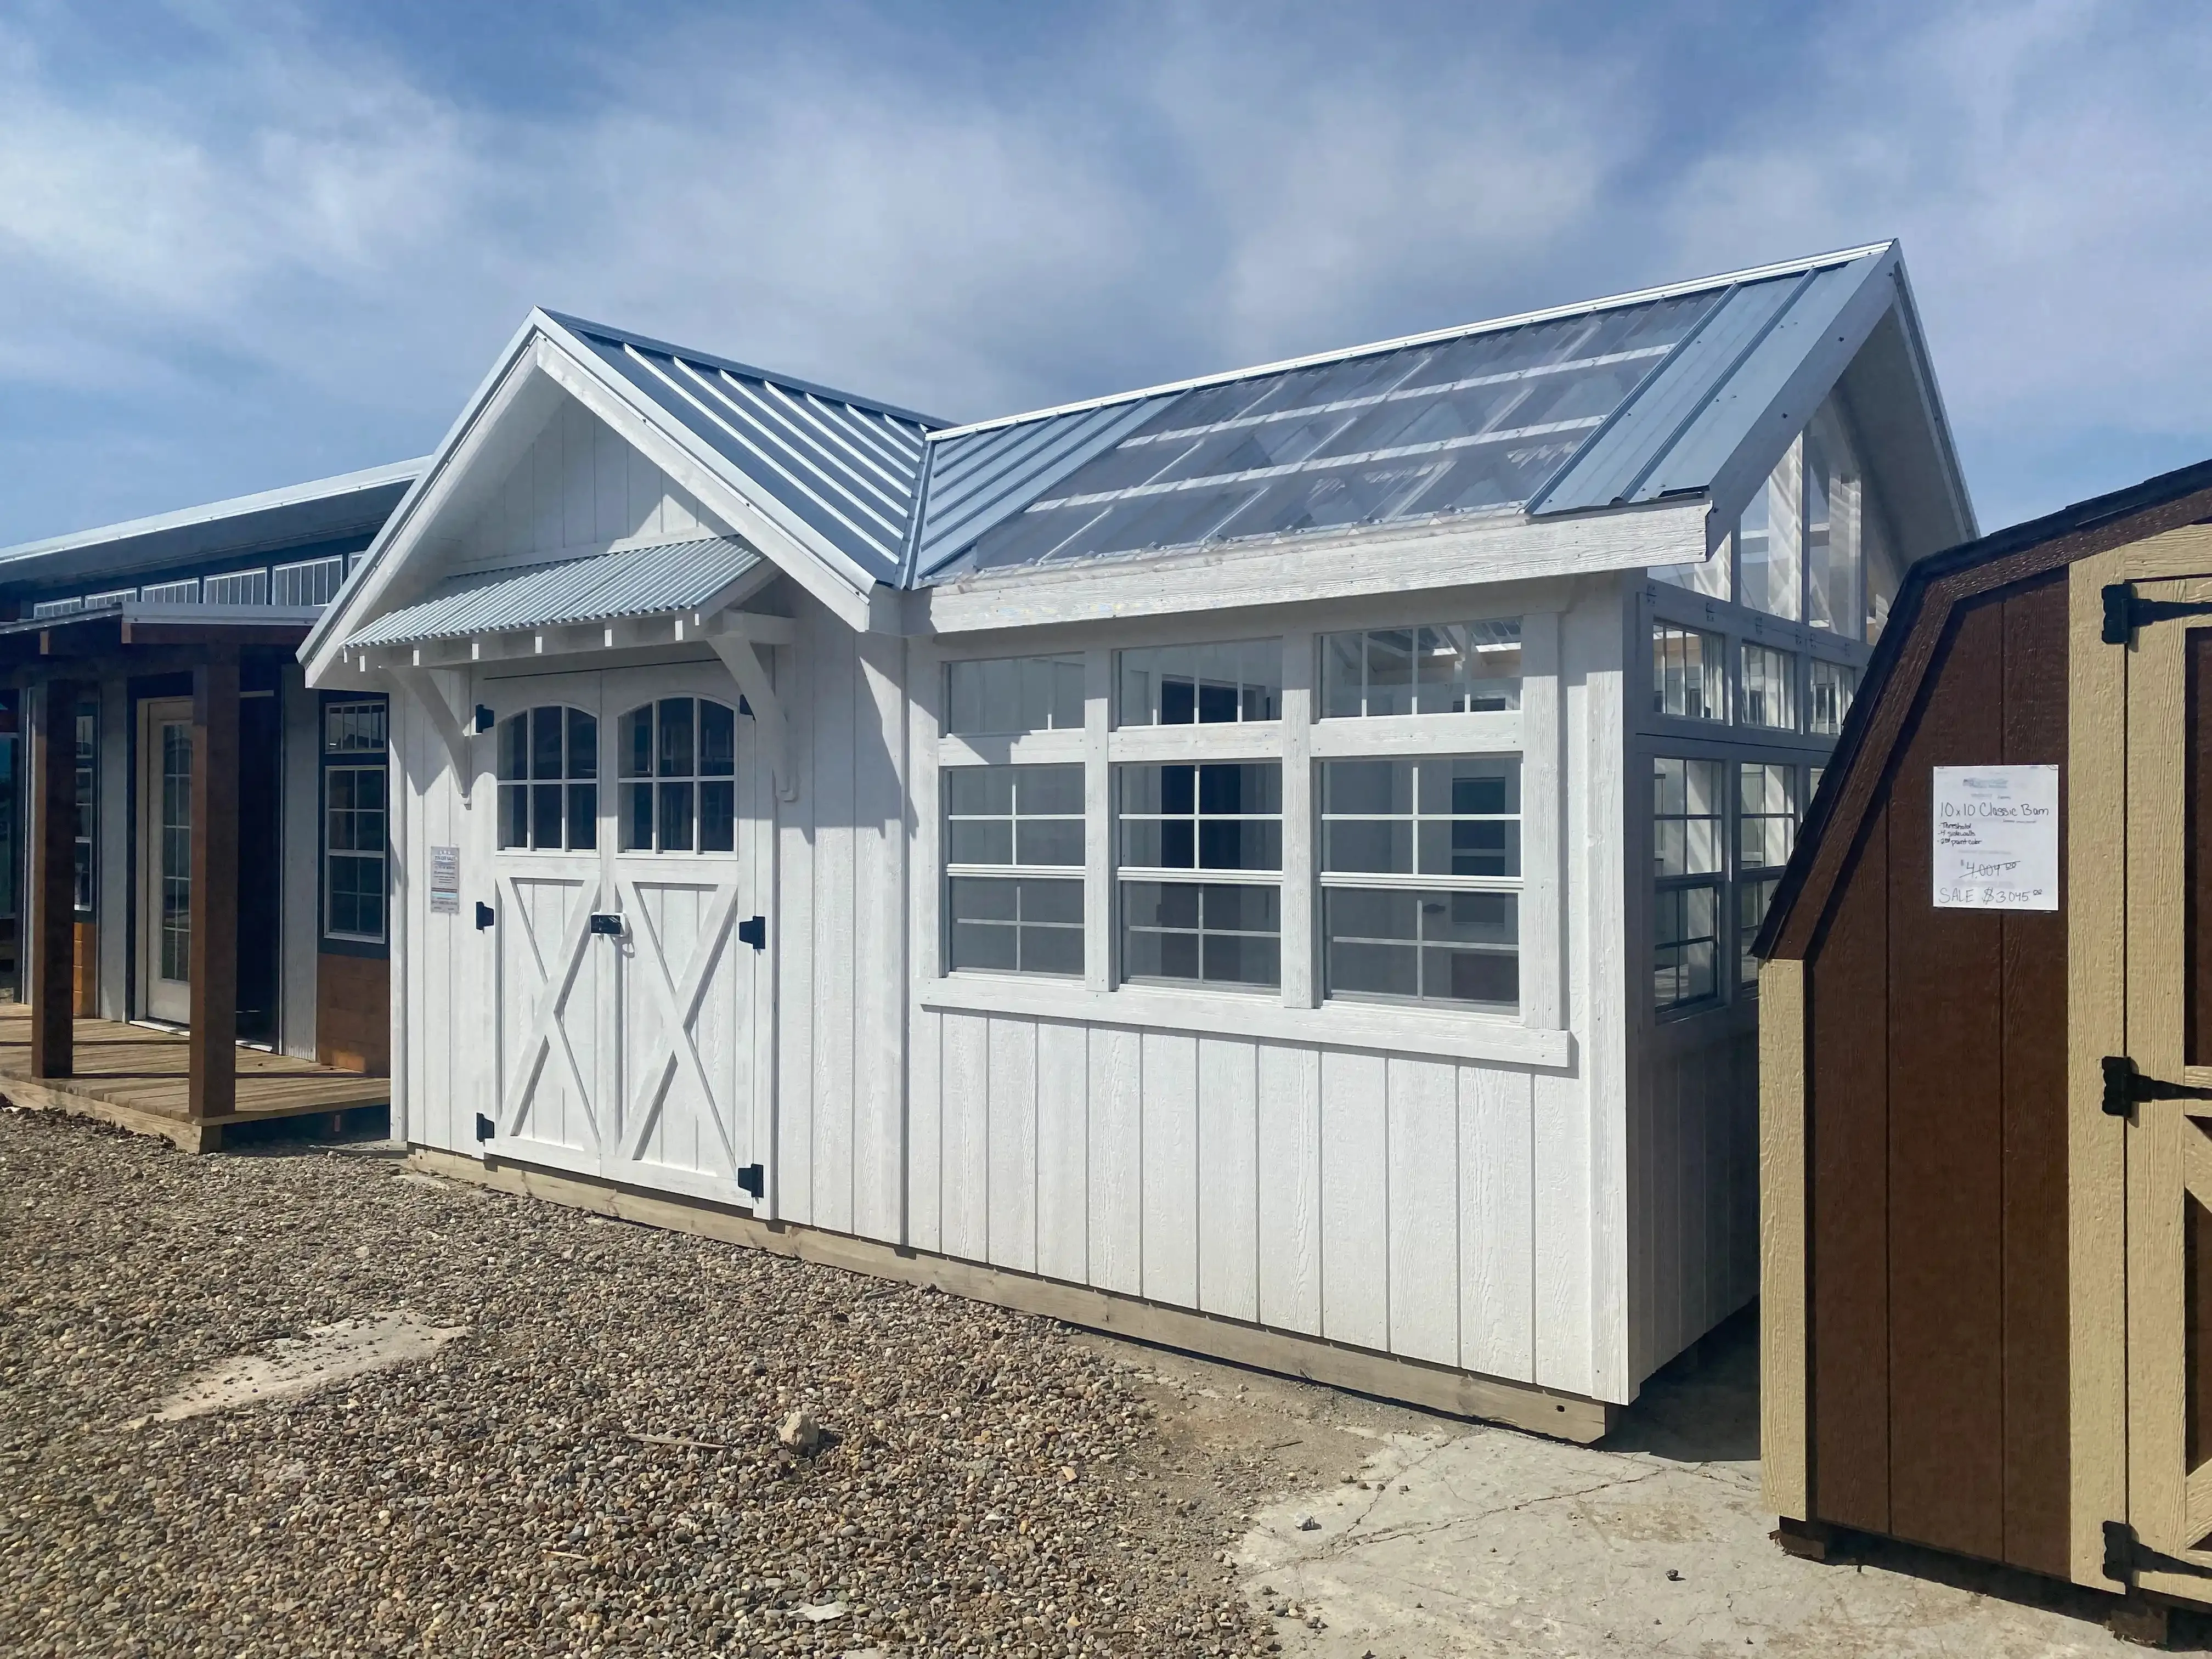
[636, 581]
[1613, 403]
[833, 467]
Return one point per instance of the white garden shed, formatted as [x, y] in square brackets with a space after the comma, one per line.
[1266, 863]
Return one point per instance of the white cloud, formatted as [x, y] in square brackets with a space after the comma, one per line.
[306, 224]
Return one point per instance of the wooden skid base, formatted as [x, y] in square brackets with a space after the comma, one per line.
[1519, 1405]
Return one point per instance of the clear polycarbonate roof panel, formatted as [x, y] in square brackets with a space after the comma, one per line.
[1467, 424]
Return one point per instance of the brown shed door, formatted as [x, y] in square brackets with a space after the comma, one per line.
[2169, 1026]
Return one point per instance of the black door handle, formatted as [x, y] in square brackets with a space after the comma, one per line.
[2126, 1088]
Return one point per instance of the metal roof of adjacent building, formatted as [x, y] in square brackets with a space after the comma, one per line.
[833, 466]
[1608, 404]
[298, 515]
[634, 582]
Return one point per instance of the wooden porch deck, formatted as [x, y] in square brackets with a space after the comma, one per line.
[134, 1076]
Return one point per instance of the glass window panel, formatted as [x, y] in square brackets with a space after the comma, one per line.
[1015, 693]
[1201, 685]
[1770, 688]
[675, 757]
[718, 816]
[636, 743]
[545, 815]
[1752, 899]
[1441, 817]
[1021, 815]
[674, 810]
[1216, 817]
[1707, 576]
[1687, 673]
[1437, 946]
[583, 744]
[583, 816]
[1766, 814]
[979, 841]
[637, 818]
[1049, 840]
[1343, 676]
[1015, 926]
[1833, 686]
[513, 746]
[514, 815]
[1769, 543]
[545, 746]
[1683, 945]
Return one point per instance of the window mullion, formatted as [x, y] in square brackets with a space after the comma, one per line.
[1099, 966]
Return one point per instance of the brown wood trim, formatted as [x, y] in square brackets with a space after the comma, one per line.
[86, 988]
[214, 1063]
[1784, 1470]
[353, 1014]
[1439, 1388]
[53, 880]
[1934, 589]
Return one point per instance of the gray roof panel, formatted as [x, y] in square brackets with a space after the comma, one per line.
[832, 469]
[634, 582]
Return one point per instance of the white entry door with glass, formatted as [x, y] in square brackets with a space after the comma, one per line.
[164, 898]
[626, 852]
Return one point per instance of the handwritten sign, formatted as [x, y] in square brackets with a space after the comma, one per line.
[445, 881]
[1996, 837]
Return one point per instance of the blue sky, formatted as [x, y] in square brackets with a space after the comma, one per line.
[245, 245]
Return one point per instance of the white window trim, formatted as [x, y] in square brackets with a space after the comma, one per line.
[1535, 735]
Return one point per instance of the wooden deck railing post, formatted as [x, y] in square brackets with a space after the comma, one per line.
[213, 955]
[53, 881]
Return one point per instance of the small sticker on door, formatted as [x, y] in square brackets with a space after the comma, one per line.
[445, 881]
[1996, 837]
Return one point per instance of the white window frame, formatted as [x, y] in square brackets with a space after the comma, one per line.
[949, 870]
[1296, 1010]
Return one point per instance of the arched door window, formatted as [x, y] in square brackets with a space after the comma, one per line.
[679, 761]
[549, 770]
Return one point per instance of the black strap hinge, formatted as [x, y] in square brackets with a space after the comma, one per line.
[2126, 1087]
[484, 915]
[753, 1178]
[485, 1128]
[754, 932]
[2126, 611]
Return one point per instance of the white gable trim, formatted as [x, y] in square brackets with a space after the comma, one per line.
[1499, 549]
[536, 367]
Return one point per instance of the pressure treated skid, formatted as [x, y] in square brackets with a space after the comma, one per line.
[138, 1077]
[1539, 1411]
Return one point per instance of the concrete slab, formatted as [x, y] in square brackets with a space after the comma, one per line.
[1457, 1540]
[294, 1366]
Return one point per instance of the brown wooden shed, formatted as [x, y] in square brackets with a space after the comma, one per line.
[1986, 1217]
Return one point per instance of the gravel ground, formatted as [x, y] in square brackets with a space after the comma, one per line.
[592, 1468]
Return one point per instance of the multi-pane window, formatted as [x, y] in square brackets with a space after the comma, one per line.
[88, 791]
[356, 802]
[1224, 820]
[1834, 687]
[1769, 684]
[1464, 668]
[237, 588]
[549, 770]
[1008, 695]
[1688, 826]
[678, 761]
[1013, 855]
[1766, 829]
[1201, 685]
[1419, 872]
[186, 592]
[1832, 539]
[176, 850]
[311, 582]
[1688, 679]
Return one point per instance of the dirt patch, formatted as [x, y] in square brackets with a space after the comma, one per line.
[294, 1366]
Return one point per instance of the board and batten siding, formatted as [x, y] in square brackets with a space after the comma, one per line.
[580, 484]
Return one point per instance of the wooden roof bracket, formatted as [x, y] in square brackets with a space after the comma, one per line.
[735, 648]
[433, 691]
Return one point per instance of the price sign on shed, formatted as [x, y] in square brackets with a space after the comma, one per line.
[1996, 837]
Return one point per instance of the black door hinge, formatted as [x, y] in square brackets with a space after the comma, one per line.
[2125, 611]
[485, 718]
[485, 1128]
[753, 1178]
[754, 932]
[2120, 1553]
[2126, 1088]
[606, 922]
[484, 915]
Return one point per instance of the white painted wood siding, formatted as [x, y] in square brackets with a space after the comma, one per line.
[580, 485]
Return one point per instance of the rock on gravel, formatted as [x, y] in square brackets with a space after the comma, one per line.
[594, 1467]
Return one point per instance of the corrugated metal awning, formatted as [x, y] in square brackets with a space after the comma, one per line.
[634, 581]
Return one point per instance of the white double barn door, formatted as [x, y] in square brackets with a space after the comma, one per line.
[632, 1048]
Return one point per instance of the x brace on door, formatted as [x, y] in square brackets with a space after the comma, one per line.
[678, 1006]
[546, 1031]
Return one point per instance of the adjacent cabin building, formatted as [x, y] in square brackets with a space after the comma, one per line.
[194, 840]
[1987, 1042]
[1267, 862]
